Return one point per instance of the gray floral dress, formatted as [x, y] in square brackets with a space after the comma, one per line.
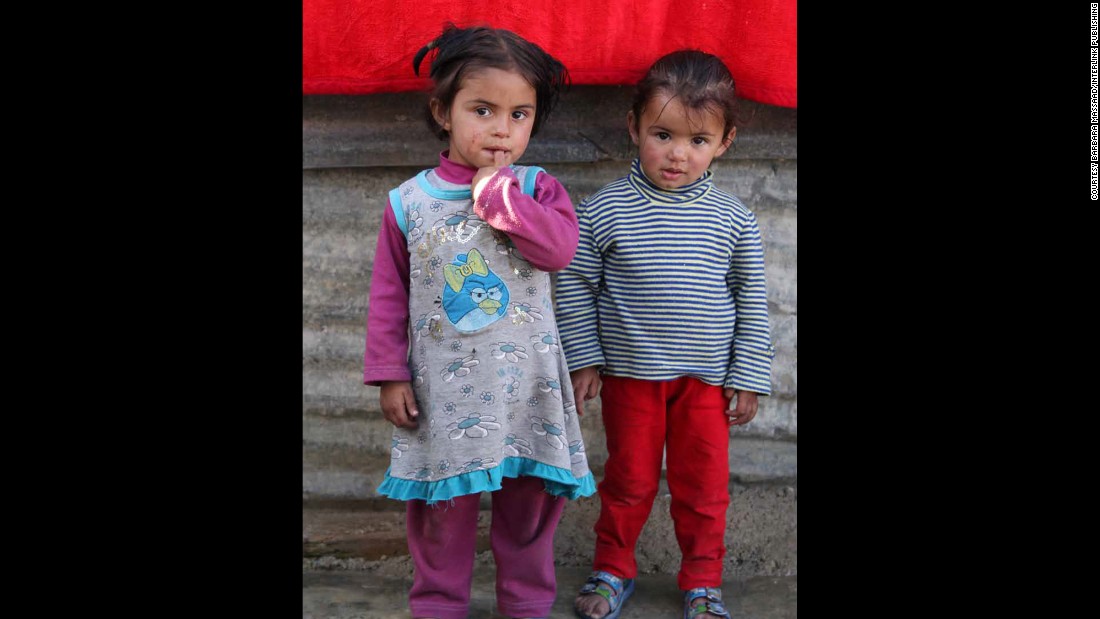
[491, 382]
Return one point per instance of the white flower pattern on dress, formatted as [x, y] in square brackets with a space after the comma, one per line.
[576, 452]
[524, 312]
[460, 227]
[416, 224]
[545, 342]
[397, 446]
[474, 425]
[459, 367]
[477, 464]
[509, 351]
[515, 446]
[511, 388]
[550, 385]
[551, 430]
[418, 374]
[423, 324]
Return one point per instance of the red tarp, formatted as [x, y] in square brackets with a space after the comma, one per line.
[364, 46]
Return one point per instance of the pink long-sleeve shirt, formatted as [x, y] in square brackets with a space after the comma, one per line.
[543, 228]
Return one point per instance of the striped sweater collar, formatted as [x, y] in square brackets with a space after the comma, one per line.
[680, 195]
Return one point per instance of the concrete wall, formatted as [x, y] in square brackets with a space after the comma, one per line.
[357, 148]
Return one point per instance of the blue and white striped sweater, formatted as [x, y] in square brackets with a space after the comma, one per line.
[667, 284]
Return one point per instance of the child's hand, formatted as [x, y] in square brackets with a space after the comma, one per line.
[745, 409]
[586, 385]
[501, 159]
[399, 404]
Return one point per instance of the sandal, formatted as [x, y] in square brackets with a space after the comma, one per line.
[617, 595]
[710, 602]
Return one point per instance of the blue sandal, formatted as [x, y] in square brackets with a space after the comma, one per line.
[618, 593]
[710, 602]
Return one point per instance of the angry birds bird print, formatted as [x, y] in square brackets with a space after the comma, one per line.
[473, 296]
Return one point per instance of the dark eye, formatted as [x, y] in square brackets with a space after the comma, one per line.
[698, 141]
[663, 135]
[519, 115]
[482, 111]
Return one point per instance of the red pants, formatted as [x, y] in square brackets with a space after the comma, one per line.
[642, 418]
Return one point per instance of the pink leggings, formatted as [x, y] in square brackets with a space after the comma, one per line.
[442, 540]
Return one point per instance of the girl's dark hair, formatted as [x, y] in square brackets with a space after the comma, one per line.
[699, 79]
[460, 51]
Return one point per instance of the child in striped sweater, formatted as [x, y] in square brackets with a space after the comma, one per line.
[665, 301]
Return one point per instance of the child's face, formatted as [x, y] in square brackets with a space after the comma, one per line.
[676, 144]
[494, 110]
